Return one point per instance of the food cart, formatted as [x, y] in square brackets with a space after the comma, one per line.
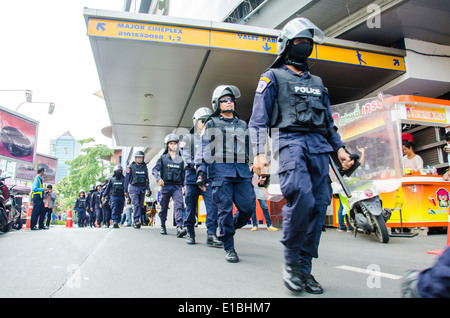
[374, 126]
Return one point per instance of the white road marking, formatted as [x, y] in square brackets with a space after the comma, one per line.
[368, 272]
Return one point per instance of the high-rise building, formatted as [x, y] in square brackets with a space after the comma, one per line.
[64, 148]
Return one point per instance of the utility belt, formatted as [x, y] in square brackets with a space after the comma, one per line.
[310, 129]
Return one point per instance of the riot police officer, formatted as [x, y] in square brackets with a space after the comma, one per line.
[90, 215]
[106, 204]
[80, 206]
[295, 105]
[224, 159]
[116, 190]
[137, 185]
[96, 204]
[169, 173]
[188, 146]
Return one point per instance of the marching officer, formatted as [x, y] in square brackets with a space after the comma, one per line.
[106, 204]
[137, 186]
[169, 173]
[188, 147]
[38, 212]
[224, 159]
[90, 215]
[295, 103]
[96, 204]
[80, 206]
[115, 190]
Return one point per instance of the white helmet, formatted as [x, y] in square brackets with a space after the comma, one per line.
[201, 113]
[298, 28]
[223, 90]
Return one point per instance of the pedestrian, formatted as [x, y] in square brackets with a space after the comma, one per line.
[260, 194]
[115, 191]
[137, 186]
[433, 282]
[223, 158]
[80, 207]
[342, 211]
[169, 173]
[38, 212]
[294, 104]
[127, 212]
[49, 203]
[96, 204]
[188, 147]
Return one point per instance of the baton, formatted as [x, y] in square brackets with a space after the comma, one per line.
[338, 171]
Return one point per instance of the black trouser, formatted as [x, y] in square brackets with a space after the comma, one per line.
[48, 212]
[38, 212]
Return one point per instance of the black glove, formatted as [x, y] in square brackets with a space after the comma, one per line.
[266, 182]
[201, 179]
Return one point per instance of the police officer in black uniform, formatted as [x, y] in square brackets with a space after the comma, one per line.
[224, 159]
[169, 173]
[188, 146]
[96, 204]
[106, 204]
[295, 103]
[80, 206]
[90, 215]
[137, 186]
[116, 190]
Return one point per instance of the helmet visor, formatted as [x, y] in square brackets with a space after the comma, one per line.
[294, 29]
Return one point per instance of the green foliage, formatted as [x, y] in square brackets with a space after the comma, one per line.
[84, 170]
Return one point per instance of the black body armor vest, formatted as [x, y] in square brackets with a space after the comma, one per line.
[298, 106]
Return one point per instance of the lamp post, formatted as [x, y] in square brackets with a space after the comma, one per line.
[51, 106]
[28, 93]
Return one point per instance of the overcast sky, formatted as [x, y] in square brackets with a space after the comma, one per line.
[44, 48]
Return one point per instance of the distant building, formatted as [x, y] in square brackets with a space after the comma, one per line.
[64, 148]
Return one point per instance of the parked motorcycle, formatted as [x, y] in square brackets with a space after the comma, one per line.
[10, 216]
[365, 212]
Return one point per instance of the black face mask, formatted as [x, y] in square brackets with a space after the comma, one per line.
[299, 53]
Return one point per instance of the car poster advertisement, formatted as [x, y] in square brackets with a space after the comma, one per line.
[18, 136]
[27, 172]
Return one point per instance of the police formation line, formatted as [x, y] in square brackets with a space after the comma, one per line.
[287, 98]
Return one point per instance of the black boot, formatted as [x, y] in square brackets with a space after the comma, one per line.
[291, 278]
[310, 284]
[213, 241]
[190, 238]
[232, 256]
[181, 232]
[163, 230]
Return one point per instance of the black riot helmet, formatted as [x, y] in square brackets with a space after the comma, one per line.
[117, 170]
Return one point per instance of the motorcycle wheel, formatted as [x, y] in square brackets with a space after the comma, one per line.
[380, 230]
[18, 224]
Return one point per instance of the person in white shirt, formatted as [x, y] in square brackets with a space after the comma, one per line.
[411, 159]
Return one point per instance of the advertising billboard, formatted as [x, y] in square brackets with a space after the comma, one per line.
[27, 172]
[18, 136]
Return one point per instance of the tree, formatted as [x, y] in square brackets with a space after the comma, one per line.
[84, 170]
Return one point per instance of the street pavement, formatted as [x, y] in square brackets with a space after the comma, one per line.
[89, 262]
